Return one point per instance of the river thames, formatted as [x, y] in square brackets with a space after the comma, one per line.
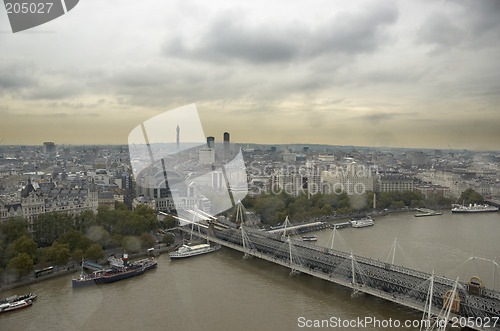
[222, 291]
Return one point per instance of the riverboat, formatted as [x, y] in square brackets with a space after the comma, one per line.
[362, 222]
[309, 238]
[14, 298]
[10, 306]
[189, 251]
[474, 208]
[119, 270]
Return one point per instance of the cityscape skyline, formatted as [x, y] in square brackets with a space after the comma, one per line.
[294, 147]
[417, 74]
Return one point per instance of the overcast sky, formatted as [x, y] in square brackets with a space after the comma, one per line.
[369, 73]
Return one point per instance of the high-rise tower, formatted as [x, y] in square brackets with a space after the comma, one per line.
[178, 132]
[49, 147]
[210, 142]
[226, 145]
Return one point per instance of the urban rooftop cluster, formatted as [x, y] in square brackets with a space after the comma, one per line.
[39, 179]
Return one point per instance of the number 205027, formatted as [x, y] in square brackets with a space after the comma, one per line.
[25, 7]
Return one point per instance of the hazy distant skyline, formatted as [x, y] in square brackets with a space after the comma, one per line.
[418, 74]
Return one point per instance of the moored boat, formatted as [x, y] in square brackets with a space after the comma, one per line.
[117, 271]
[188, 251]
[309, 238]
[474, 208]
[362, 222]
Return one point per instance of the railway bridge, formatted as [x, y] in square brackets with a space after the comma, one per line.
[435, 295]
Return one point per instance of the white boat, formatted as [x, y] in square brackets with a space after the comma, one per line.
[188, 251]
[14, 298]
[309, 238]
[473, 208]
[362, 222]
[5, 307]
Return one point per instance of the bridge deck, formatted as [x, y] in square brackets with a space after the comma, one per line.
[398, 299]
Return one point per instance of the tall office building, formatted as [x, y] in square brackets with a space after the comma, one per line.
[226, 145]
[49, 147]
[210, 142]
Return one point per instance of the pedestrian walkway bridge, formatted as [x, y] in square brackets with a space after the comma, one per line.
[404, 286]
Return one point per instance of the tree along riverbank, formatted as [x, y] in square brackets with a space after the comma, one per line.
[8, 282]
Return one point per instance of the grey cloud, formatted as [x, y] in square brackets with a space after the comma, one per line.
[229, 40]
[163, 83]
[58, 114]
[329, 102]
[482, 14]
[192, 72]
[394, 76]
[381, 117]
[33, 81]
[464, 23]
[232, 39]
[158, 84]
[16, 76]
[53, 92]
[440, 31]
[196, 84]
[484, 22]
[355, 33]
[77, 106]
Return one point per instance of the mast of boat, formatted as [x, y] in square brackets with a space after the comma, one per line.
[81, 272]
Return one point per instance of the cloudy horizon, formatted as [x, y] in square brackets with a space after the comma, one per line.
[417, 74]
